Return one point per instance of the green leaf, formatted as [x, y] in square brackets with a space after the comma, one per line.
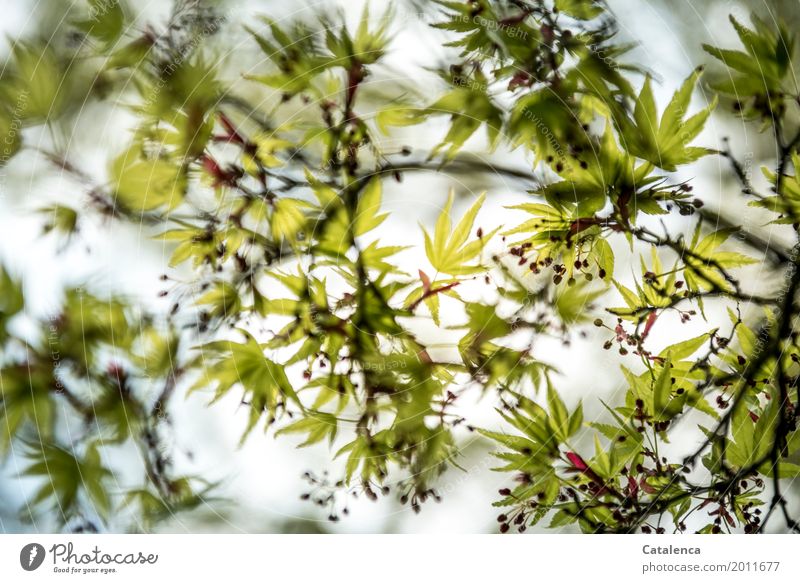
[685, 349]
[288, 220]
[317, 425]
[559, 416]
[368, 215]
[573, 302]
[39, 85]
[263, 380]
[65, 473]
[469, 106]
[575, 420]
[646, 116]
[580, 9]
[26, 400]
[449, 252]
[144, 182]
[662, 391]
[663, 143]
[106, 22]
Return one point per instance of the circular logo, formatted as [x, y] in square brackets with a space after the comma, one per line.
[31, 556]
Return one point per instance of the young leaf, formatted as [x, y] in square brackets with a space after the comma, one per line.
[449, 251]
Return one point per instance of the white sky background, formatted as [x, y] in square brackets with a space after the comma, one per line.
[263, 479]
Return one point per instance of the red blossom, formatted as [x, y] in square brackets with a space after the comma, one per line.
[647, 487]
[651, 319]
[633, 487]
[577, 461]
